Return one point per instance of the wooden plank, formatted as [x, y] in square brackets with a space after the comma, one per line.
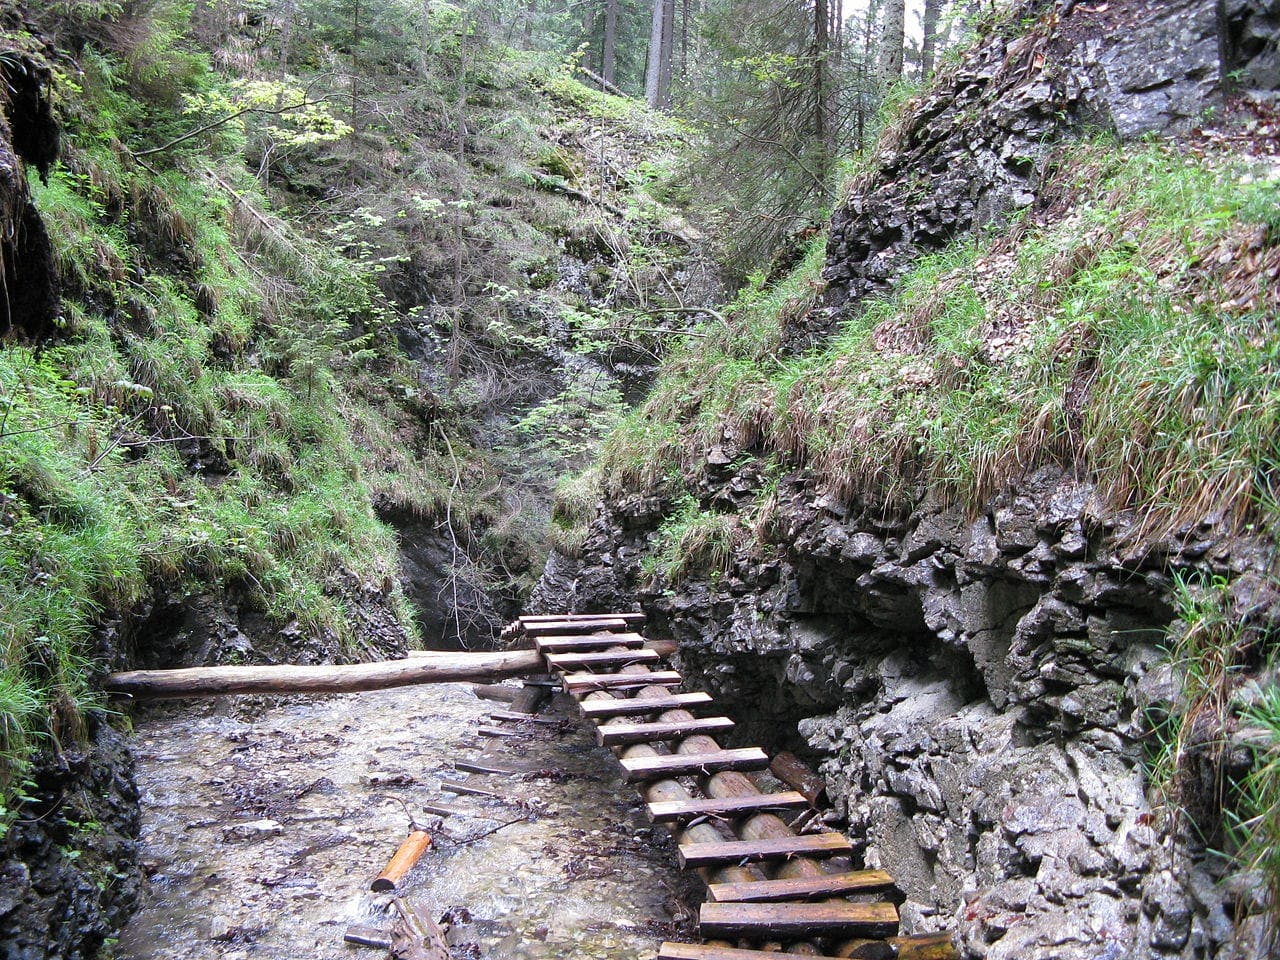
[447, 810]
[675, 811]
[576, 617]
[693, 764]
[603, 642]
[780, 848]
[701, 951]
[455, 786]
[569, 627]
[603, 660]
[471, 766]
[499, 732]
[832, 885]
[603, 709]
[615, 733]
[578, 683]
[784, 920]
[510, 716]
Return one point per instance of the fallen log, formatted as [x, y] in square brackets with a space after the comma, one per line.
[410, 852]
[352, 678]
[415, 936]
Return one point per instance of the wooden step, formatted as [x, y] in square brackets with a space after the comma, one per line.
[832, 885]
[602, 642]
[610, 660]
[602, 709]
[693, 764]
[474, 766]
[781, 921]
[677, 811]
[579, 617]
[779, 848]
[499, 732]
[700, 951]
[614, 733]
[573, 627]
[580, 683]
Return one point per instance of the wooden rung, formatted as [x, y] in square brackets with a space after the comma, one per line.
[574, 628]
[694, 764]
[832, 885]
[576, 617]
[471, 766]
[700, 951]
[604, 660]
[498, 732]
[778, 848]
[578, 683]
[602, 642]
[466, 789]
[675, 811]
[601, 709]
[786, 920]
[615, 733]
[512, 716]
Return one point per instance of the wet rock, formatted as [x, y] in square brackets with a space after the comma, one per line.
[253, 831]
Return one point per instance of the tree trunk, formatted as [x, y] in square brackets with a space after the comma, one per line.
[653, 69]
[668, 45]
[355, 68]
[609, 60]
[928, 49]
[891, 42]
[526, 36]
[217, 681]
[588, 34]
[821, 107]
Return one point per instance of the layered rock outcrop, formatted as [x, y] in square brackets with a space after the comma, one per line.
[979, 681]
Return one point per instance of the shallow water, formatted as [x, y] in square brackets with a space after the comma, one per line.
[265, 821]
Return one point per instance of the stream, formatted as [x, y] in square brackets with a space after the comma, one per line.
[265, 819]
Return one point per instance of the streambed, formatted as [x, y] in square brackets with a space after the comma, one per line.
[264, 821]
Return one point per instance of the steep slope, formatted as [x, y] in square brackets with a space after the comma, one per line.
[249, 409]
[977, 507]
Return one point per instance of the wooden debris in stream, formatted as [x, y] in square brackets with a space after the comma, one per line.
[409, 853]
[415, 936]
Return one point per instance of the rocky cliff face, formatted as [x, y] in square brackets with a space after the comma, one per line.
[978, 682]
[975, 146]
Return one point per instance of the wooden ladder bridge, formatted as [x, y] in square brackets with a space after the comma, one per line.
[773, 881]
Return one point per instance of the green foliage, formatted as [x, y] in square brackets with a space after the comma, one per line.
[187, 430]
[692, 541]
[1256, 824]
[1115, 352]
[574, 507]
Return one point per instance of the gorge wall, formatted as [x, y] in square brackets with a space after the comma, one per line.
[978, 681]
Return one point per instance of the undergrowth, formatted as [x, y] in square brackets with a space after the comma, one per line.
[194, 426]
[1132, 337]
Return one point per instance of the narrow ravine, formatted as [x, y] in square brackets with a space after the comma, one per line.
[264, 822]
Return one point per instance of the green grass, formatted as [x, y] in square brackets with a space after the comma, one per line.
[692, 540]
[1097, 340]
[191, 428]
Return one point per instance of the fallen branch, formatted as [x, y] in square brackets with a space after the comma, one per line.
[353, 678]
[214, 124]
[415, 936]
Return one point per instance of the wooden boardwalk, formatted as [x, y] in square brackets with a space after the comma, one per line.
[771, 880]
